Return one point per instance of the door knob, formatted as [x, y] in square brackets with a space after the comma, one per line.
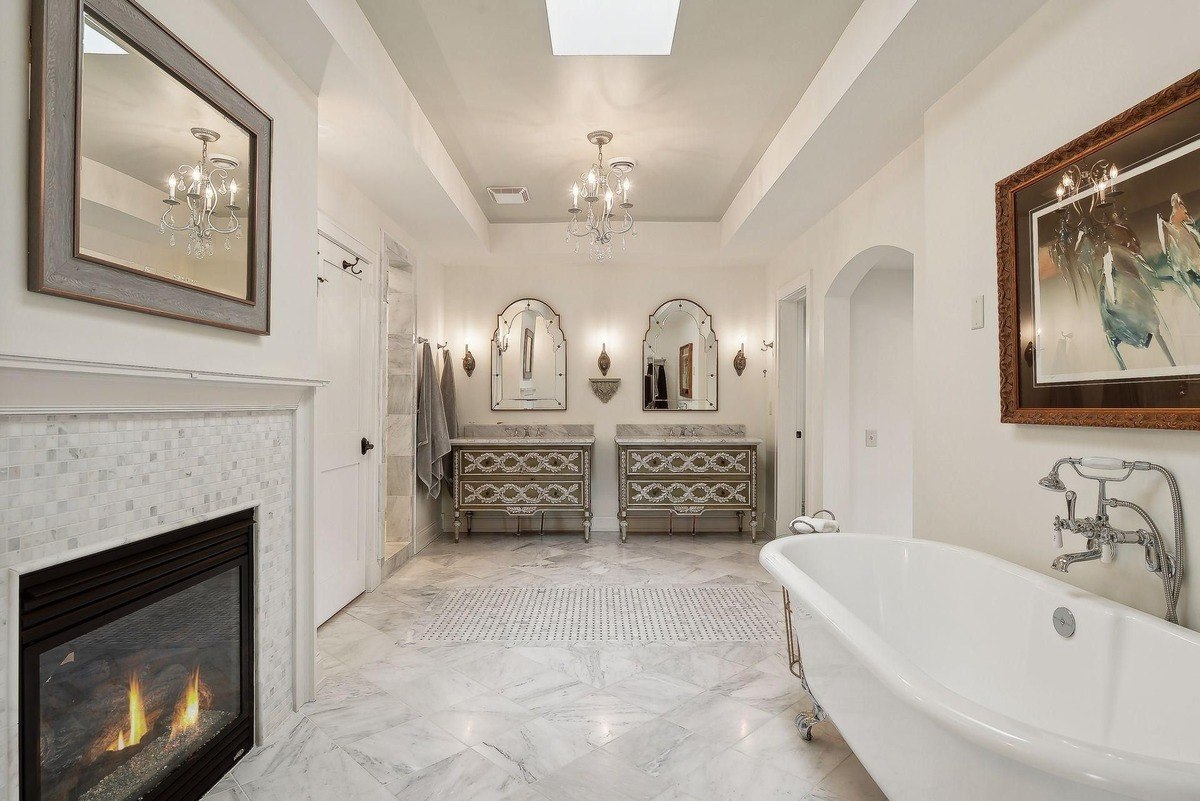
[367, 445]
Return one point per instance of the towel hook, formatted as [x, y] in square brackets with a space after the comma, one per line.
[440, 345]
[351, 266]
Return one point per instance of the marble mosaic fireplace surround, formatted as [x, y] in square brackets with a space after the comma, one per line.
[74, 484]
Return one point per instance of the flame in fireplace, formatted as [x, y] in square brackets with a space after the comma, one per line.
[137, 718]
[187, 711]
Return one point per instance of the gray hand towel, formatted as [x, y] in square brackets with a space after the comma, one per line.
[448, 404]
[433, 440]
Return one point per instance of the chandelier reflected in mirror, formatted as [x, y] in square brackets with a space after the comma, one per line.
[600, 205]
[204, 185]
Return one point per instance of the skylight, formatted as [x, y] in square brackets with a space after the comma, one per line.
[612, 28]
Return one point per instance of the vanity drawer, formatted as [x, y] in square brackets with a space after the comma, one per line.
[521, 461]
[710, 461]
[709, 493]
[521, 496]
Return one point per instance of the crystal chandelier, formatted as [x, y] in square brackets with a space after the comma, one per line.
[603, 189]
[206, 183]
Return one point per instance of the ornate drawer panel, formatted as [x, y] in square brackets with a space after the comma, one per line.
[670, 493]
[689, 461]
[521, 496]
[517, 461]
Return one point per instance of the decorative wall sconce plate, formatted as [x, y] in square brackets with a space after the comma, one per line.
[604, 362]
[605, 388]
[468, 362]
[739, 361]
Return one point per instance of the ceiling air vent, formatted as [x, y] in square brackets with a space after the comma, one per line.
[509, 195]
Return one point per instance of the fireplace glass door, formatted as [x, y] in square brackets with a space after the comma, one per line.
[131, 699]
[125, 704]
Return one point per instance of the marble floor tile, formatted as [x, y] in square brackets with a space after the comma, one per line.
[534, 750]
[545, 691]
[501, 668]
[331, 776]
[850, 781]
[351, 641]
[652, 746]
[401, 750]
[396, 717]
[776, 743]
[351, 719]
[289, 750]
[766, 691]
[467, 776]
[697, 667]
[430, 692]
[599, 717]
[597, 664]
[599, 776]
[717, 718]
[474, 720]
[733, 776]
[653, 691]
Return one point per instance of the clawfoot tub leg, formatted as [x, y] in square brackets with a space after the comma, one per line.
[806, 720]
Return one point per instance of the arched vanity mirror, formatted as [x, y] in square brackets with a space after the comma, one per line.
[679, 359]
[529, 358]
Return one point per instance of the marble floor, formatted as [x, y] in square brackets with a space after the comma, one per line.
[572, 721]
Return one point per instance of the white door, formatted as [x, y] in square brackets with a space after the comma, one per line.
[343, 421]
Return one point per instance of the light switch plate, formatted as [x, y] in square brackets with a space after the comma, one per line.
[872, 438]
[977, 321]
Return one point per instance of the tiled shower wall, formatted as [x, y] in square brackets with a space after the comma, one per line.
[401, 398]
[88, 481]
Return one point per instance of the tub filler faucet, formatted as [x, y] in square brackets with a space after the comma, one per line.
[1103, 538]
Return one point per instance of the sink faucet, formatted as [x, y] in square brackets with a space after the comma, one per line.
[1103, 538]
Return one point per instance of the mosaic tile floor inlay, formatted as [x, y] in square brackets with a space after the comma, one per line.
[603, 614]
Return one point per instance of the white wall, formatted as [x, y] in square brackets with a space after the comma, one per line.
[881, 389]
[975, 478]
[886, 213]
[40, 325]
[610, 303]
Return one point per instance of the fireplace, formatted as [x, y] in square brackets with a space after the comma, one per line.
[136, 667]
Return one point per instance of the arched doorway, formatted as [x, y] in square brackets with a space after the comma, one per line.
[867, 392]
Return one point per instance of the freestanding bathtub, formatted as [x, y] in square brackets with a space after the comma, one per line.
[943, 670]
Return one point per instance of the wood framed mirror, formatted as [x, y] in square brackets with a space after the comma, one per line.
[149, 180]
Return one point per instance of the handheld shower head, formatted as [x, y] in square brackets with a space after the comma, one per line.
[1052, 482]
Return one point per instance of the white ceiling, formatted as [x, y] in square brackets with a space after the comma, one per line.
[510, 113]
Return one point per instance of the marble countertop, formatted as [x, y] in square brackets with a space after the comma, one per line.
[675, 440]
[516, 442]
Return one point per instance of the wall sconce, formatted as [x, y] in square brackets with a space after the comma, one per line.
[468, 361]
[604, 363]
[739, 361]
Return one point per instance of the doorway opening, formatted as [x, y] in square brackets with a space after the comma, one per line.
[347, 537]
[791, 429]
[867, 393]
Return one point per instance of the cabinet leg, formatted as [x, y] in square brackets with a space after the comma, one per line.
[470, 521]
[754, 526]
[457, 524]
[741, 522]
[623, 522]
[587, 526]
